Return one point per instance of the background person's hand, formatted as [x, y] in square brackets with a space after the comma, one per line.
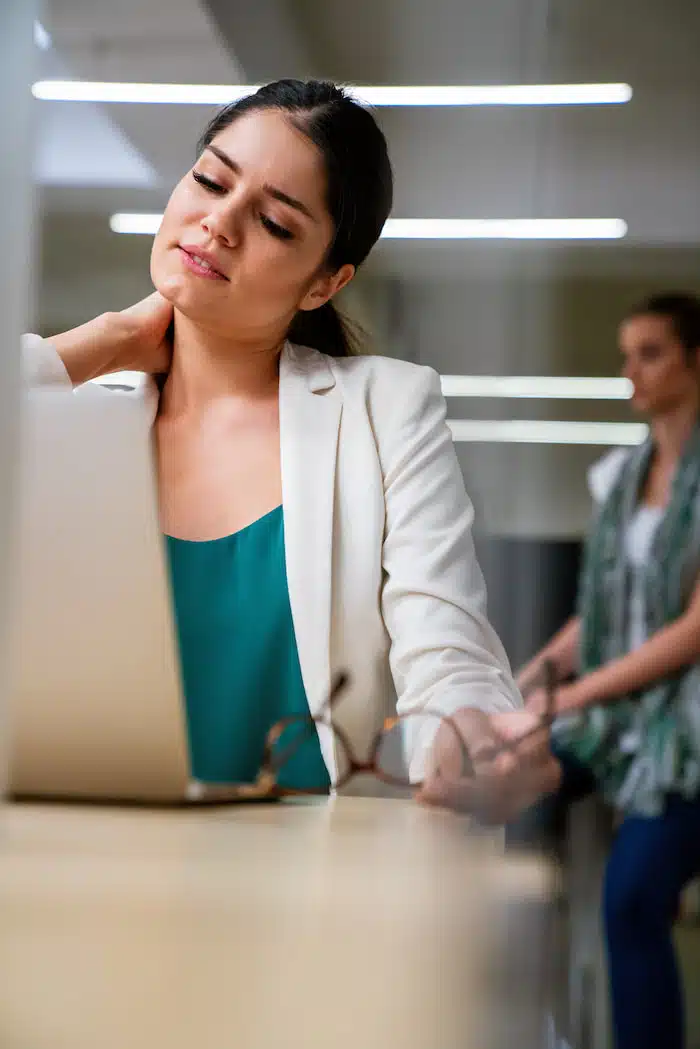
[502, 784]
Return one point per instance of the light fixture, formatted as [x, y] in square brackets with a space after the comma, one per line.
[458, 95]
[537, 387]
[505, 229]
[530, 431]
[441, 229]
[136, 222]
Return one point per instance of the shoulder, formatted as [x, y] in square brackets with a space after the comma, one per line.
[366, 374]
[392, 392]
[604, 473]
[373, 372]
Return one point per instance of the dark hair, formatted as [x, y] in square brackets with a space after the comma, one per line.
[360, 184]
[682, 310]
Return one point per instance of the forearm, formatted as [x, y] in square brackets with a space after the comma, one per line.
[671, 649]
[562, 650]
[100, 346]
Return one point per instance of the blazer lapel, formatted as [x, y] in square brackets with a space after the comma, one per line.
[310, 410]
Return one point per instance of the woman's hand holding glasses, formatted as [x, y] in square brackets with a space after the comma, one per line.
[510, 757]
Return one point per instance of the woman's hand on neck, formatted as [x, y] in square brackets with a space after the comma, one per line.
[207, 367]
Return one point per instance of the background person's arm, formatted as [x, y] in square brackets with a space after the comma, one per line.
[562, 651]
[671, 649]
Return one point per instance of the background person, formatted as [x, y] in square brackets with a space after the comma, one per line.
[634, 730]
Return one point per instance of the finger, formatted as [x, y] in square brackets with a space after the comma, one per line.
[489, 776]
[468, 796]
[521, 727]
[458, 743]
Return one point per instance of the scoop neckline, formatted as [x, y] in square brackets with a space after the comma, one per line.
[223, 538]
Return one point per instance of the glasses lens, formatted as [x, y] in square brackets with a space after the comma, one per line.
[418, 745]
[298, 751]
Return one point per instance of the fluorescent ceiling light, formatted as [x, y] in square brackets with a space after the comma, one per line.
[41, 38]
[497, 95]
[542, 387]
[135, 222]
[220, 94]
[505, 229]
[526, 431]
[442, 229]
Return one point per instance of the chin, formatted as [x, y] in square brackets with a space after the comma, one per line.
[174, 284]
[641, 405]
[171, 286]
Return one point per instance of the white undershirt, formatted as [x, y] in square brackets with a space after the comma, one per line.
[638, 539]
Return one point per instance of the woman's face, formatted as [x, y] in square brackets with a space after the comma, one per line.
[245, 234]
[662, 374]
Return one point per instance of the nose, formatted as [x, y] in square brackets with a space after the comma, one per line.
[223, 222]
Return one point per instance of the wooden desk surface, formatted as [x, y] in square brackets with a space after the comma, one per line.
[347, 924]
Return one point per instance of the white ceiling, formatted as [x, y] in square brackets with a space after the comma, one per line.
[640, 161]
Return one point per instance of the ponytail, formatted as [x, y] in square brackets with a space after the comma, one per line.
[325, 329]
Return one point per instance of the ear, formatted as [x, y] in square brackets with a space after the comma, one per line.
[325, 287]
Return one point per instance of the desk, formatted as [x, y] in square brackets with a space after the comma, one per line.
[343, 924]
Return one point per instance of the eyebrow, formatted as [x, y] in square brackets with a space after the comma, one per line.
[271, 191]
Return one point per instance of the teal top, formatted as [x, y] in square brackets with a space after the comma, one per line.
[238, 652]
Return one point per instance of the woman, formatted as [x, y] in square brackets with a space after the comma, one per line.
[314, 509]
[634, 729]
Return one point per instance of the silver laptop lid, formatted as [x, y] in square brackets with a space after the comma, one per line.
[96, 706]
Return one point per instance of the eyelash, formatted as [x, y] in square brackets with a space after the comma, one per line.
[272, 227]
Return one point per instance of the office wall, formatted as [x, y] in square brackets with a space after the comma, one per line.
[509, 325]
[16, 55]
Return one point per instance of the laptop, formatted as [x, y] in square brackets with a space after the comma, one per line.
[96, 708]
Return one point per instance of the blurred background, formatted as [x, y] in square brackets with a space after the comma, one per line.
[467, 307]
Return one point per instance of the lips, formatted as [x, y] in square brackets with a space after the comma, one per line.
[201, 262]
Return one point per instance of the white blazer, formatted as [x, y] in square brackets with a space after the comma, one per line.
[383, 578]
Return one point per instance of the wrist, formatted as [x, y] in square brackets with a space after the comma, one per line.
[100, 346]
[575, 697]
[531, 674]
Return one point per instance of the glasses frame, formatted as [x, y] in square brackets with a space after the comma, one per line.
[266, 785]
[267, 788]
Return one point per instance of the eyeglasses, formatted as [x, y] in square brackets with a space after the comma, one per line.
[402, 752]
[396, 756]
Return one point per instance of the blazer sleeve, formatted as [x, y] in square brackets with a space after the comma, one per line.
[43, 367]
[444, 653]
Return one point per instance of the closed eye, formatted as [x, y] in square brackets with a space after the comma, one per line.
[208, 183]
[275, 229]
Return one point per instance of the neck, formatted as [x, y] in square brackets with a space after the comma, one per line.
[208, 368]
[671, 431]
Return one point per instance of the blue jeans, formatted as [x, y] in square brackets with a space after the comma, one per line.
[650, 862]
